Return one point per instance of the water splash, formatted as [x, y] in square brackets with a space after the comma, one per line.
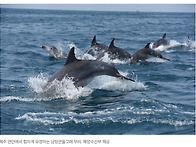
[190, 44]
[173, 43]
[107, 59]
[88, 57]
[67, 45]
[15, 98]
[38, 82]
[115, 84]
[67, 90]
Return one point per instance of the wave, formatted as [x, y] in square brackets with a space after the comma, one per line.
[190, 45]
[106, 59]
[122, 114]
[116, 84]
[37, 83]
[66, 89]
[57, 89]
[67, 45]
[16, 98]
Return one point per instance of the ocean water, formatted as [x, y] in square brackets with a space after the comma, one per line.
[162, 101]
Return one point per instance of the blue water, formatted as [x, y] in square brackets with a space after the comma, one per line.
[162, 101]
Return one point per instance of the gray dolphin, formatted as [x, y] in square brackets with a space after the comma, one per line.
[188, 42]
[83, 71]
[54, 52]
[160, 42]
[96, 48]
[145, 53]
[115, 53]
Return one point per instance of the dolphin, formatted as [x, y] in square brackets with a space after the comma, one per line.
[188, 42]
[54, 52]
[145, 53]
[115, 53]
[160, 42]
[96, 48]
[83, 71]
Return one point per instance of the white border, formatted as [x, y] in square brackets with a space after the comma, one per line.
[115, 140]
[97, 2]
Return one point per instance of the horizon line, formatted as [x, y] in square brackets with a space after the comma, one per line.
[137, 11]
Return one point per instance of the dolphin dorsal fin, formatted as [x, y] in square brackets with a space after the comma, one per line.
[147, 45]
[164, 35]
[111, 44]
[71, 56]
[94, 41]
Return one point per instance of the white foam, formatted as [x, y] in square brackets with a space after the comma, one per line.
[119, 114]
[57, 89]
[190, 44]
[176, 123]
[64, 89]
[15, 98]
[45, 118]
[157, 60]
[88, 57]
[78, 52]
[116, 84]
[67, 45]
[67, 90]
[38, 82]
[106, 59]
[191, 69]
[172, 43]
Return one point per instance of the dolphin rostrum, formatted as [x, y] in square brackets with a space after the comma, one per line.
[145, 53]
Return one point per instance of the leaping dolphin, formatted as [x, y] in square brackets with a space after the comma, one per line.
[96, 48]
[160, 42]
[145, 53]
[54, 52]
[83, 71]
[115, 53]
